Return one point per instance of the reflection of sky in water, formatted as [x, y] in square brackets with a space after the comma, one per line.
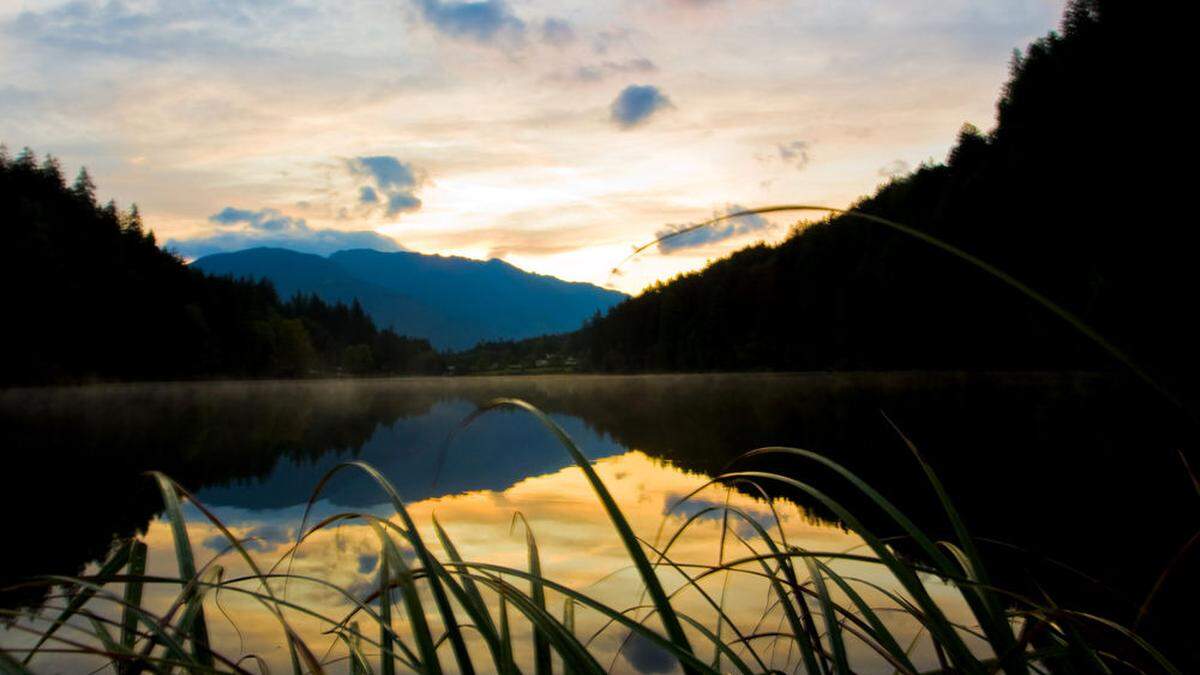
[505, 463]
[496, 451]
[577, 545]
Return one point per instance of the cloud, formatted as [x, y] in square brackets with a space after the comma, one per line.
[895, 169]
[599, 71]
[402, 202]
[242, 228]
[557, 32]
[387, 171]
[636, 104]
[482, 21]
[713, 233]
[156, 29]
[794, 153]
[606, 39]
[262, 538]
[396, 180]
[268, 220]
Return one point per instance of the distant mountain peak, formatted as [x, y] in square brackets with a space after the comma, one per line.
[453, 301]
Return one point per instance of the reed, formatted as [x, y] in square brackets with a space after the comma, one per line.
[451, 604]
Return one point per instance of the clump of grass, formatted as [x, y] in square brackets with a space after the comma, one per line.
[444, 598]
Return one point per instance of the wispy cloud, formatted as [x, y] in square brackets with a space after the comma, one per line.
[268, 220]
[156, 29]
[794, 153]
[636, 104]
[725, 229]
[557, 32]
[595, 72]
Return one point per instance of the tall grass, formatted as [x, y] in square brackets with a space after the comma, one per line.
[824, 613]
[451, 604]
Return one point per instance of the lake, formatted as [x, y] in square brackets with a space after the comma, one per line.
[1078, 468]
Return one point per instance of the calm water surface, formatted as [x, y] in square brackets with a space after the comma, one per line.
[1056, 464]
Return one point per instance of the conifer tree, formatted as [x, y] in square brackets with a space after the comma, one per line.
[84, 188]
[52, 170]
[133, 221]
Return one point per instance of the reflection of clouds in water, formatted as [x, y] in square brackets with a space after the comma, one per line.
[647, 657]
[576, 542]
[716, 511]
[261, 539]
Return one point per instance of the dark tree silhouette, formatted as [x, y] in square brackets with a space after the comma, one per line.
[1073, 192]
[91, 296]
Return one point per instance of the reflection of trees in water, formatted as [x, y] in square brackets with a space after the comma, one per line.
[76, 456]
[1081, 468]
[1063, 464]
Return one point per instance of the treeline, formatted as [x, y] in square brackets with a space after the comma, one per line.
[91, 296]
[1073, 192]
[558, 352]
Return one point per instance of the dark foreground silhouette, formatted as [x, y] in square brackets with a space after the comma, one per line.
[1073, 193]
[92, 296]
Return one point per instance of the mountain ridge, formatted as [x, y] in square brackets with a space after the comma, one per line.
[453, 301]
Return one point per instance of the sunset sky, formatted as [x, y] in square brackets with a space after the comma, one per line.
[554, 135]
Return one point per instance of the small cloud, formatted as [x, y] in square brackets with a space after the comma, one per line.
[636, 104]
[242, 228]
[396, 180]
[895, 169]
[794, 153]
[388, 172]
[695, 507]
[482, 21]
[401, 202]
[557, 32]
[366, 563]
[720, 231]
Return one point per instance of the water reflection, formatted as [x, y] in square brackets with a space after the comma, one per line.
[578, 548]
[1060, 464]
[494, 453]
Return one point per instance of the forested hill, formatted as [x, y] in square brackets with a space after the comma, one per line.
[90, 295]
[1072, 193]
[454, 302]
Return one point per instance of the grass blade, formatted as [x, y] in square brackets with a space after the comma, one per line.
[537, 593]
[653, 586]
[472, 601]
[387, 659]
[113, 565]
[992, 619]
[187, 565]
[133, 597]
